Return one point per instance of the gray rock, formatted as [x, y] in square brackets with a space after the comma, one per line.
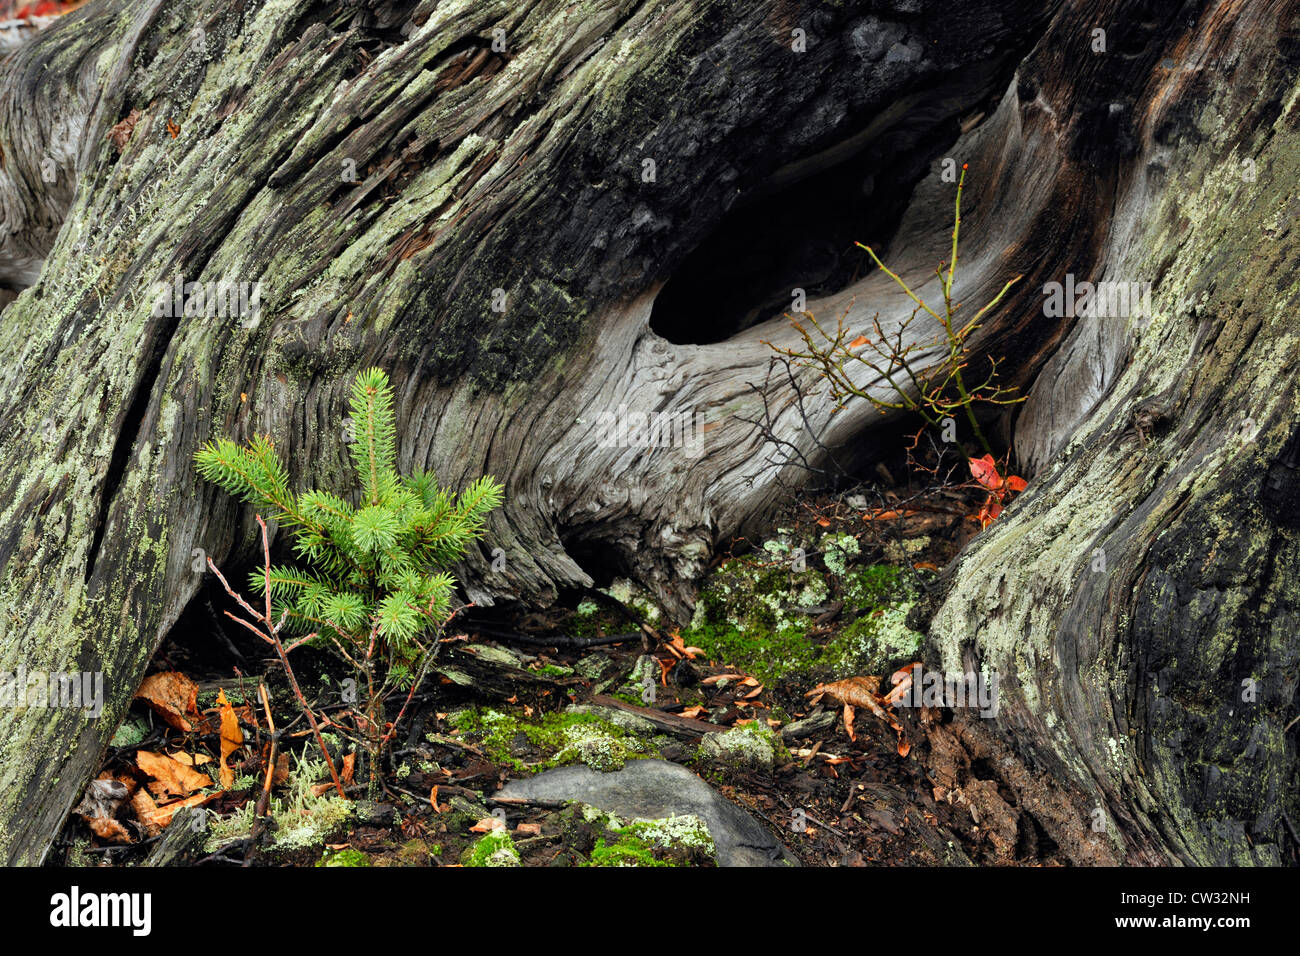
[595, 666]
[652, 790]
[741, 748]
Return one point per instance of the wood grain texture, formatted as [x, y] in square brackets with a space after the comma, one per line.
[515, 175]
[477, 170]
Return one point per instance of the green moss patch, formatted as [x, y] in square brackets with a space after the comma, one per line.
[494, 849]
[344, 858]
[559, 739]
[605, 840]
[756, 613]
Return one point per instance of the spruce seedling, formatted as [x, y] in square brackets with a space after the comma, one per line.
[370, 579]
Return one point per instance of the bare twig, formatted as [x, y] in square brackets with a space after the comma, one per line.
[270, 632]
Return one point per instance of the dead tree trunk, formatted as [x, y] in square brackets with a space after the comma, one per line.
[541, 216]
[1141, 604]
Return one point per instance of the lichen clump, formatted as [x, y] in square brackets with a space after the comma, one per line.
[298, 818]
[752, 746]
[682, 840]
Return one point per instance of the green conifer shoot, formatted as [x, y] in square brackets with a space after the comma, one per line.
[370, 577]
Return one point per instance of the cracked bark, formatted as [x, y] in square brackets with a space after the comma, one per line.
[520, 170]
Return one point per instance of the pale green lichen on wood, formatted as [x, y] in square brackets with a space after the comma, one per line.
[1048, 545]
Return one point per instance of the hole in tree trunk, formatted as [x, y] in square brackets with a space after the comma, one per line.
[599, 558]
[800, 236]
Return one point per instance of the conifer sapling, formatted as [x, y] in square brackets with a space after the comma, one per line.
[370, 580]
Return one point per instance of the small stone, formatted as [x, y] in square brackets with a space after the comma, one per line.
[370, 813]
[471, 808]
[741, 748]
[594, 666]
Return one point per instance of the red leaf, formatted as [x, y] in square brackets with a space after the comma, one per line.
[985, 471]
[1016, 483]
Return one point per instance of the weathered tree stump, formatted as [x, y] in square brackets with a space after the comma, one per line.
[516, 208]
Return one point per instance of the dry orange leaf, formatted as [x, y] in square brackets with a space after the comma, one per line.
[888, 514]
[146, 810]
[109, 829]
[985, 471]
[172, 776]
[528, 829]
[859, 341]
[858, 692]
[190, 760]
[902, 681]
[162, 816]
[349, 768]
[487, 825]
[121, 132]
[173, 695]
[678, 647]
[280, 775]
[232, 738]
[854, 691]
[721, 677]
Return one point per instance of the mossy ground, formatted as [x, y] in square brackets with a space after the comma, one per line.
[493, 849]
[759, 612]
[764, 617]
[551, 740]
[300, 819]
[606, 840]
